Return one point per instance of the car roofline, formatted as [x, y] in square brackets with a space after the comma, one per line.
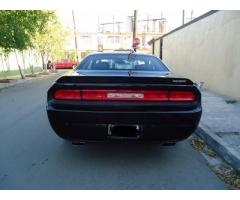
[120, 53]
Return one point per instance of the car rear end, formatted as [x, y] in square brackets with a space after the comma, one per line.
[112, 108]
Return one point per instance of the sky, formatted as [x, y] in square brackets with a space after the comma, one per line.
[88, 21]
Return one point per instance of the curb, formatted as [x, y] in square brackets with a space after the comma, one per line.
[223, 149]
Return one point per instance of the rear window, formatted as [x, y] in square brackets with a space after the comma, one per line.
[122, 62]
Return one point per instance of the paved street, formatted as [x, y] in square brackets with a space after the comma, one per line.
[33, 157]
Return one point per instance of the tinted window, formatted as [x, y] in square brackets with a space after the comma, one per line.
[122, 62]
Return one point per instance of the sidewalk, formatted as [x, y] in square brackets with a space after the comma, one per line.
[220, 126]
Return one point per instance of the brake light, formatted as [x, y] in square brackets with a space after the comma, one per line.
[94, 94]
[67, 95]
[124, 95]
[181, 96]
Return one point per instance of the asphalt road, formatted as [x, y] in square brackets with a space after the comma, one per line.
[33, 157]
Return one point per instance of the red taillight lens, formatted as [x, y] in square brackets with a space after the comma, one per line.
[94, 94]
[124, 95]
[67, 95]
[155, 95]
[181, 96]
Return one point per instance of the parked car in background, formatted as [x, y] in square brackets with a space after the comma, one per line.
[123, 96]
[65, 64]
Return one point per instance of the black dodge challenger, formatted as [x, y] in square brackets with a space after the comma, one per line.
[123, 96]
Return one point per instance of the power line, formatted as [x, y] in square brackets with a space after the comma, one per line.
[111, 23]
[75, 35]
[134, 27]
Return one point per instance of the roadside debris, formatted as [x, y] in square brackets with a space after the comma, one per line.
[199, 144]
[6, 80]
[224, 171]
[31, 75]
[230, 101]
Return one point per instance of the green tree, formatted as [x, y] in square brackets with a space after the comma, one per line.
[19, 27]
[70, 55]
[50, 43]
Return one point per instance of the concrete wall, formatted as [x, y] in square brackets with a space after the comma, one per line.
[209, 51]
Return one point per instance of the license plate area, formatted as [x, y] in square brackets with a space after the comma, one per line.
[122, 131]
[125, 96]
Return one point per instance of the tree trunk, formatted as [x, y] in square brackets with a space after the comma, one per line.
[43, 63]
[7, 62]
[30, 63]
[2, 63]
[19, 67]
[23, 58]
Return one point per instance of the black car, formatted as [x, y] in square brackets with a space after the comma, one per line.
[123, 96]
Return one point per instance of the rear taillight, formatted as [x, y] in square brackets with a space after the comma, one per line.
[67, 95]
[124, 95]
[181, 96]
[94, 94]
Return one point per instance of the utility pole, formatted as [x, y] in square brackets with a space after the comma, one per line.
[134, 25]
[183, 17]
[75, 35]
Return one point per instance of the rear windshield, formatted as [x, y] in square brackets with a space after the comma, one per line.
[122, 62]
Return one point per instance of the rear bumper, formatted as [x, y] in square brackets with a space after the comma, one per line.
[161, 126]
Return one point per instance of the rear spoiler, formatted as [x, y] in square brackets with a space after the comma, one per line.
[122, 80]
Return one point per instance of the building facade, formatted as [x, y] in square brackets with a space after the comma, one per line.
[109, 41]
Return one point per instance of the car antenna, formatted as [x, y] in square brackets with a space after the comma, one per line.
[129, 55]
[130, 72]
[131, 52]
